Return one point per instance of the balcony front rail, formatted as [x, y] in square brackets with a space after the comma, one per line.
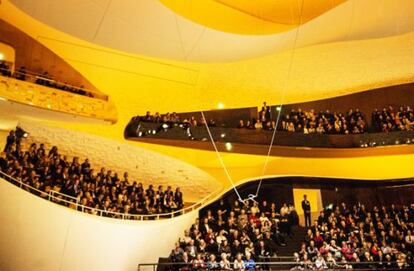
[55, 99]
[74, 203]
[41, 79]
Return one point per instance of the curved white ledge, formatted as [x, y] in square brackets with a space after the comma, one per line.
[39, 235]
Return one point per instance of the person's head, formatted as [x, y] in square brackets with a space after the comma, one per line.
[305, 197]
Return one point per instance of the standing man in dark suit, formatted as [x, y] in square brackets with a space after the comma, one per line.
[307, 211]
[267, 112]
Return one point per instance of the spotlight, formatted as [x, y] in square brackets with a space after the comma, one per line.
[139, 134]
[397, 142]
[164, 126]
[228, 146]
[223, 135]
[408, 141]
[278, 108]
[154, 132]
[220, 106]
[1, 56]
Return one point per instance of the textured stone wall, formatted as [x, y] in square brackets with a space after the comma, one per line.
[142, 165]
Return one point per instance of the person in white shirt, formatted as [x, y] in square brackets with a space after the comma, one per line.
[238, 263]
[224, 263]
[320, 263]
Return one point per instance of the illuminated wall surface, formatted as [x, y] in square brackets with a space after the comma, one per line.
[163, 63]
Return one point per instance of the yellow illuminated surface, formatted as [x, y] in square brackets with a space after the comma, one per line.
[138, 83]
[315, 199]
[250, 17]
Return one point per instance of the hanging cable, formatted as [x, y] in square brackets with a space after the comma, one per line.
[220, 159]
[281, 102]
[185, 55]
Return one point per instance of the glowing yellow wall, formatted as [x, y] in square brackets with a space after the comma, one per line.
[314, 197]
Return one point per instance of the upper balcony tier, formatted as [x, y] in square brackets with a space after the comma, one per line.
[377, 117]
[44, 93]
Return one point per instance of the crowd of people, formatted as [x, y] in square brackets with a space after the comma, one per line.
[359, 236]
[244, 237]
[390, 119]
[104, 192]
[235, 237]
[173, 118]
[264, 121]
[309, 122]
[324, 122]
[43, 79]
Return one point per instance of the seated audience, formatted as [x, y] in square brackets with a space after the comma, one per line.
[239, 235]
[389, 119]
[324, 122]
[366, 236]
[112, 195]
[44, 79]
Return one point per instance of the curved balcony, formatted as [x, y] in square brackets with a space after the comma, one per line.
[74, 203]
[87, 103]
[198, 137]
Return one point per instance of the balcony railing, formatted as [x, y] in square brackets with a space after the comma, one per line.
[148, 130]
[40, 79]
[45, 97]
[74, 203]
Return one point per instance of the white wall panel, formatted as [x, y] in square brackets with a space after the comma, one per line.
[39, 235]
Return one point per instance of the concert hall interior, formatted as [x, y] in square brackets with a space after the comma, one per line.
[206, 135]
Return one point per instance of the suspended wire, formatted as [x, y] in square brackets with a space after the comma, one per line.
[220, 158]
[281, 101]
[202, 112]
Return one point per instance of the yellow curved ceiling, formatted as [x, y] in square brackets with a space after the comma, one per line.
[251, 17]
